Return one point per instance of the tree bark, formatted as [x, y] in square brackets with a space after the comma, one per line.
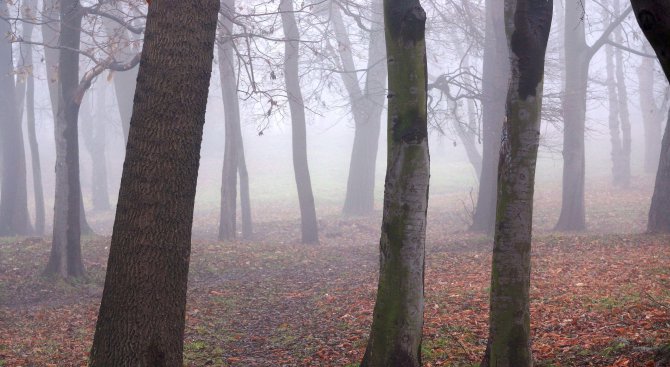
[14, 217]
[366, 106]
[309, 226]
[527, 27]
[65, 259]
[397, 321]
[653, 16]
[495, 76]
[142, 314]
[613, 119]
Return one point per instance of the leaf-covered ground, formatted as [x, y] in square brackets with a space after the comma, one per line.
[598, 299]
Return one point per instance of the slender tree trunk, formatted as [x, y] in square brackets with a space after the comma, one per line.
[367, 106]
[245, 202]
[38, 189]
[495, 75]
[654, 19]
[141, 320]
[65, 259]
[573, 216]
[652, 114]
[310, 231]
[228, 215]
[527, 27]
[614, 115]
[622, 92]
[94, 136]
[14, 217]
[397, 321]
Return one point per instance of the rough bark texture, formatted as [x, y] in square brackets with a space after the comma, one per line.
[65, 259]
[527, 24]
[366, 106]
[141, 319]
[14, 217]
[495, 76]
[397, 321]
[654, 19]
[309, 226]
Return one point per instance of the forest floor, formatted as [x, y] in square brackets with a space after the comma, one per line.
[600, 298]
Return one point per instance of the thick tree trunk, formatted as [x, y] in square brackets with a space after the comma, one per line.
[652, 115]
[527, 27]
[573, 216]
[141, 319]
[228, 215]
[654, 19]
[65, 259]
[14, 217]
[309, 226]
[397, 321]
[367, 106]
[495, 76]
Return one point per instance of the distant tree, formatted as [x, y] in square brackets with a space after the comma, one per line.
[94, 133]
[397, 321]
[233, 159]
[578, 55]
[527, 27]
[14, 217]
[141, 319]
[495, 76]
[309, 225]
[653, 16]
[653, 111]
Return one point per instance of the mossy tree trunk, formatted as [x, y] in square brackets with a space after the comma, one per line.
[142, 314]
[654, 19]
[309, 225]
[527, 25]
[395, 337]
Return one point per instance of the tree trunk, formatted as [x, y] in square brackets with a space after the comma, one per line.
[14, 217]
[614, 115]
[527, 27]
[573, 216]
[94, 135]
[231, 107]
[124, 82]
[397, 321]
[495, 75]
[623, 179]
[30, 9]
[65, 259]
[141, 319]
[652, 114]
[367, 106]
[245, 202]
[309, 226]
[654, 19]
